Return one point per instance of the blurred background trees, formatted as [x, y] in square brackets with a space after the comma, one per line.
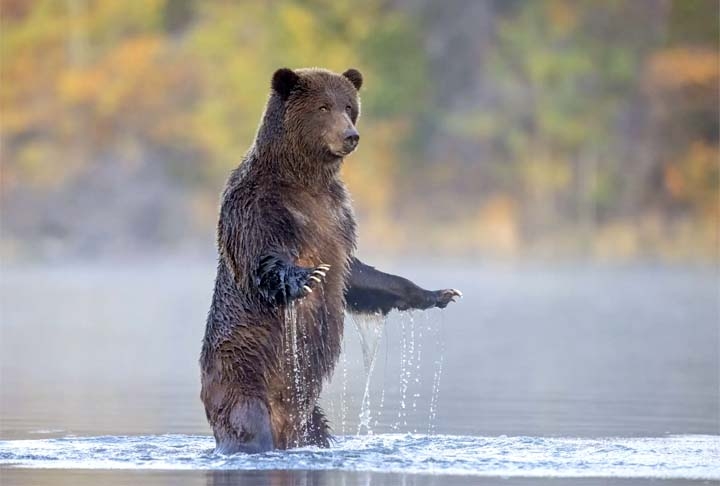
[503, 128]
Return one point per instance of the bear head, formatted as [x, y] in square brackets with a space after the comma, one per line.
[319, 111]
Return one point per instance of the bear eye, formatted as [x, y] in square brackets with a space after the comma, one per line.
[348, 108]
[324, 108]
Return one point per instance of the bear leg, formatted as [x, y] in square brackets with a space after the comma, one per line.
[246, 429]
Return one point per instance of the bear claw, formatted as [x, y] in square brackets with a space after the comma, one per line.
[316, 276]
[444, 297]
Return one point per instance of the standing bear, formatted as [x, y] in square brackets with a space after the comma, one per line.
[287, 270]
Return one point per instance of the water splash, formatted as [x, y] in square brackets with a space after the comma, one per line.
[678, 457]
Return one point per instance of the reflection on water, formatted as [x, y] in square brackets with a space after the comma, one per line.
[586, 352]
[297, 478]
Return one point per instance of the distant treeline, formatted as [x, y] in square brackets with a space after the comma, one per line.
[506, 128]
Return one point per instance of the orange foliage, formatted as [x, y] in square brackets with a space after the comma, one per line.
[694, 177]
[683, 67]
[497, 225]
[563, 15]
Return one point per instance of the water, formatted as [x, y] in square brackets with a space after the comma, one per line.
[685, 457]
[570, 372]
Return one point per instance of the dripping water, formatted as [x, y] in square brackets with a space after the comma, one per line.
[382, 393]
[343, 395]
[413, 367]
[437, 374]
[402, 412]
[369, 329]
[288, 358]
[416, 369]
[295, 350]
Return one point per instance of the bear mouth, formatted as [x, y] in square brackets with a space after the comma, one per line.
[339, 154]
[343, 151]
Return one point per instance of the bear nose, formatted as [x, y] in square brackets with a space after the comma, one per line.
[352, 137]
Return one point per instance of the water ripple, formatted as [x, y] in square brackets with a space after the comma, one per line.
[682, 457]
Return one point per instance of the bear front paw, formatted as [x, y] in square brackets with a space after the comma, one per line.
[316, 276]
[444, 297]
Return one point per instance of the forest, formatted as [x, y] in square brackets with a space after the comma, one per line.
[499, 129]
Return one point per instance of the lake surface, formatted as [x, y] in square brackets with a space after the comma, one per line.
[572, 374]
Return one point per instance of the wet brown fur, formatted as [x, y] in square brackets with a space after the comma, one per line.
[285, 198]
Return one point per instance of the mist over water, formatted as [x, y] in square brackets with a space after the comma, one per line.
[571, 372]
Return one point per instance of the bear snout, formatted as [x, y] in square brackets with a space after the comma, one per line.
[351, 139]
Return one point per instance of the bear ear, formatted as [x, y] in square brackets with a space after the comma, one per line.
[355, 77]
[283, 81]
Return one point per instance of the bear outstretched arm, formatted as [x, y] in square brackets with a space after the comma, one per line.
[371, 291]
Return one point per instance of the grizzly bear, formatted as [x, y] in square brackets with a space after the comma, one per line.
[287, 270]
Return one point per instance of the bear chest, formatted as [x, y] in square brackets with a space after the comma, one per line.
[325, 235]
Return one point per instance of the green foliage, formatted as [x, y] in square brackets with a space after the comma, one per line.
[694, 22]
